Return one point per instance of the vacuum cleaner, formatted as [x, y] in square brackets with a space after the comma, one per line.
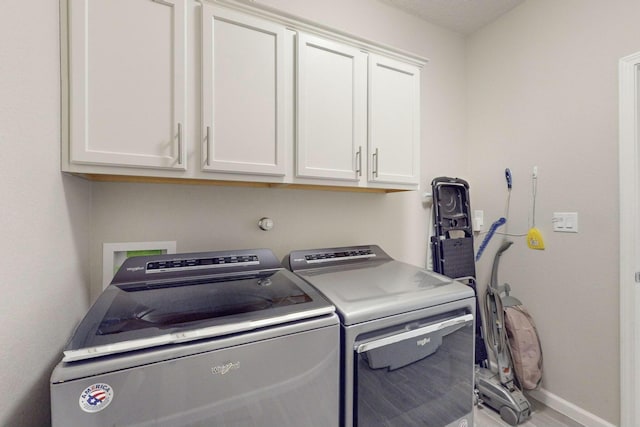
[497, 387]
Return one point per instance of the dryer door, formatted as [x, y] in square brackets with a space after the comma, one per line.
[420, 373]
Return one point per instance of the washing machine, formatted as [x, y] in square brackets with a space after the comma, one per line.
[407, 340]
[227, 338]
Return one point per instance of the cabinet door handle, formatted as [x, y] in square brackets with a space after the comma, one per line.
[179, 143]
[208, 145]
[376, 156]
[359, 161]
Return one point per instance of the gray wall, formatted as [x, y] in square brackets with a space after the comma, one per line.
[543, 90]
[44, 217]
[51, 223]
[537, 87]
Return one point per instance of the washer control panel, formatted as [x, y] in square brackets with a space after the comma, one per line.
[200, 263]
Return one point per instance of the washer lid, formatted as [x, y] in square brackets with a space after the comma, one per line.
[183, 304]
[376, 287]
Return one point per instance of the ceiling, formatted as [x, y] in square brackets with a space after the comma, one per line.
[462, 16]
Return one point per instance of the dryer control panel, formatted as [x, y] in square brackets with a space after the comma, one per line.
[300, 260]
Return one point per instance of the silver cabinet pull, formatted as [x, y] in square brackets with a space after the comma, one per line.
[179, 143]
[457, 321]
[375, 164]
[208, 146]
[359, 161]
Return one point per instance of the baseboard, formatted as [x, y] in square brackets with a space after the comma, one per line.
[569, 409]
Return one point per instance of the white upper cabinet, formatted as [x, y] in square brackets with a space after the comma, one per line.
[331, 108]
[127, 93]
[242, 93]
[229, 90]
[394, 121]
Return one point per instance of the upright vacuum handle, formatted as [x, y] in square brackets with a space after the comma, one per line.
[496, 261]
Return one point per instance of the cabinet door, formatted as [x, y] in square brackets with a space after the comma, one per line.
[394, 121]
[242, 93]
[127, 83]
[331, 109]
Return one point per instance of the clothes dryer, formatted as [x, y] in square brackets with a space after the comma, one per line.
[407, 342]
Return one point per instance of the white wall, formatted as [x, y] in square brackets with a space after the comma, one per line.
[210, 218]
[44, 217]
[543, 91]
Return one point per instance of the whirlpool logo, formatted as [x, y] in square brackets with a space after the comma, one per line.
[223, 369]
[423, 342]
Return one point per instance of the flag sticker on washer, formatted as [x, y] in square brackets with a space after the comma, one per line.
[96, 397]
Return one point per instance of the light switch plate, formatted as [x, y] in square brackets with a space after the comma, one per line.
[565, 222]
[477, 222]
